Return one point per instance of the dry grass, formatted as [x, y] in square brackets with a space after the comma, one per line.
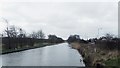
[95, 54]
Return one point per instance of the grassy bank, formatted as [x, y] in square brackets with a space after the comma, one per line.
[16, 44]
[113, 62]
[37, 45]
[94, 56]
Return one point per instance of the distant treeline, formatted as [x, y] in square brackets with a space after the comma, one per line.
[106, 42]
[76, 38]
[16, 38]
[12, 43]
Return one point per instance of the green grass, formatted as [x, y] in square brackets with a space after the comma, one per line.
[113, 62]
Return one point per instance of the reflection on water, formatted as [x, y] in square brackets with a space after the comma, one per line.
[57, 55]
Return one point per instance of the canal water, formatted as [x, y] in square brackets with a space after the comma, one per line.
[56, 55]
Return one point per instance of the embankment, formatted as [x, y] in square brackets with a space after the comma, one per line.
[95, 56]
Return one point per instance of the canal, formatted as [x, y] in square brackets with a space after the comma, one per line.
[56, 55]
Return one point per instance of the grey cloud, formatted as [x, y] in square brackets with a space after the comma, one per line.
[64, 19]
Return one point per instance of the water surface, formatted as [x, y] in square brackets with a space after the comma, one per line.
[56, 55]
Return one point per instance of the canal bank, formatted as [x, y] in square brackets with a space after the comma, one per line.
[57, 55]
[38, 45]
[96, 57]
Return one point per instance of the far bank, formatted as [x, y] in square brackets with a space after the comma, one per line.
[10, 45]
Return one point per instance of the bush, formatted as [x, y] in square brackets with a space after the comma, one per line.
[108, 44]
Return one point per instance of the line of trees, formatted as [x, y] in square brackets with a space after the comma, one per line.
[54, 39]
[75, 38]
[17, 32]
[105, 42]
[15, 37]
[38, 35]
[108, 42]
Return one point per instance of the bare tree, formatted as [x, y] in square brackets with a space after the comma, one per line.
[22, 33]
[40, 34]
[109, 36]
[13, 31]
[33, 35]
[7, 28]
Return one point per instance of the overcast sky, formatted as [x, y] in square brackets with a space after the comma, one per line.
[62, 18]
